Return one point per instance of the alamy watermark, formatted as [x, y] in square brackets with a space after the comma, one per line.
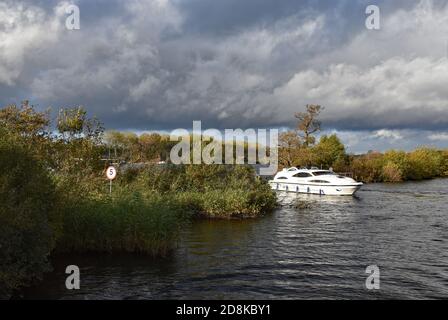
[373, 20]
[73, 21]
[373, 280]
[192, 150]
[73, 281]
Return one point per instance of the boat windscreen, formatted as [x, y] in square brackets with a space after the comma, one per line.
[322, 173]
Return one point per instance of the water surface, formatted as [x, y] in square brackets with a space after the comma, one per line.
[320, 250]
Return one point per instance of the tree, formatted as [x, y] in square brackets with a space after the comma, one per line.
[289, 145]
[308, 123]
[150, 145]
[24, 120]
[28, 127]
[114, 143]
[305, 157]
[329, 151]
[78, 147]
[29, 219]
[128, 146]
[72, 123]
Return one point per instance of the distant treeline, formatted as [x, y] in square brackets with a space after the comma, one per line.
[391, 166]
[299, 148]
[154, 147]
[133, 148]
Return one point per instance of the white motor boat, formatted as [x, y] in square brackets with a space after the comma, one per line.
[314, 181]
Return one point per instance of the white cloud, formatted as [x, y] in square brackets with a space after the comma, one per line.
[420, 31]
[394, 93]
[387, 134]
[23, 30]
[144, 88]
[443, 136]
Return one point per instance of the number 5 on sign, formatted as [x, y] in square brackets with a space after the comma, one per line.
[111, 174]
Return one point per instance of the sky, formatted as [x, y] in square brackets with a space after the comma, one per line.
[157, 65]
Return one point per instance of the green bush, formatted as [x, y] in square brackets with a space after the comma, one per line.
[392, 172]
[28, 222]
[368, 168]
[444, 154]
[396, 166]
[425, 163]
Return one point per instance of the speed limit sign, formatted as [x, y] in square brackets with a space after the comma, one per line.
[111, 173]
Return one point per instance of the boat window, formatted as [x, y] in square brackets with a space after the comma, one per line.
[320, 181]
[282, 178]
[322, 173]
[302, 175]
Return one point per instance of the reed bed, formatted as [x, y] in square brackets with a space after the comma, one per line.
[149, 207]
[127, 222]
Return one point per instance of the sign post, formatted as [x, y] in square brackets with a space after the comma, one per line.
[111, 174]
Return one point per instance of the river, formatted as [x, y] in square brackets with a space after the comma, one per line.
[317, 251]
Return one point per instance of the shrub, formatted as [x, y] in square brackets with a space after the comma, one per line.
[445, 163]
[392, 172]
[368, 168]
[28, 222]
[425, 163]
[395, 166]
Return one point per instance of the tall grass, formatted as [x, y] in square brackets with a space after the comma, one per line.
[149, 207]
[215, 191]
[127, 221]
[229, 203]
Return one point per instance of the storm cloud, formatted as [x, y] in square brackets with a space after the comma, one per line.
[160, 64]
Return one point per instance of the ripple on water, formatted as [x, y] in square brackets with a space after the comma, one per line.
[318, 251]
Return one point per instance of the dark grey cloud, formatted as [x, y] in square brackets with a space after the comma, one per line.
[160, 64]
[222, 18]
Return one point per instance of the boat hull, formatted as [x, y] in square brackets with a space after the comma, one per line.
[340, 190]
